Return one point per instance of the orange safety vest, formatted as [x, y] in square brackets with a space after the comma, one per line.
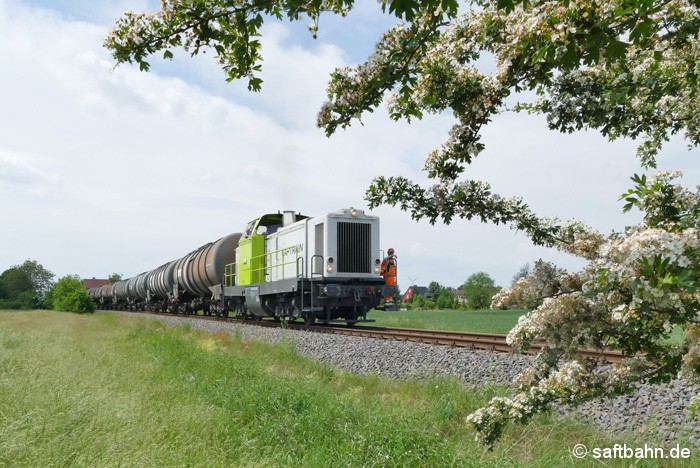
[388, 271]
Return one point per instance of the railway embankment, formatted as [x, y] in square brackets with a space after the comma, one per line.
[660, 410]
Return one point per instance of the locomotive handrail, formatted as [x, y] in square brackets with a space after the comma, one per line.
[313, 266]
[311, 276]
[230, 274]
[300, 277]
[267, 257]
[230, 269]
[300, 274]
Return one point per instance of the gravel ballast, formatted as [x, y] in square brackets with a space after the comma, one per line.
[660, 409]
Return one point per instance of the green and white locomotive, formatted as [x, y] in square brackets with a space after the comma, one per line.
[291, 266]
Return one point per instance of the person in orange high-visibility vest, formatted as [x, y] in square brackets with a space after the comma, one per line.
[388, 272]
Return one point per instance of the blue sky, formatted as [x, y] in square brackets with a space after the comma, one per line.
[108, 170]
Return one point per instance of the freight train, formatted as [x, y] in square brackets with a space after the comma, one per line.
[283, 265]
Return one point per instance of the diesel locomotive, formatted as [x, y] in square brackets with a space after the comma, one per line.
[283, 265]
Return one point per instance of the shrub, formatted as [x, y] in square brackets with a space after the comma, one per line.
[70, 295]
[23, 301]
[16, 291]
[445, 300]
[418, 302]
[478, 290]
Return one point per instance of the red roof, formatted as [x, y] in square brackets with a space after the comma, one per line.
[94, 283]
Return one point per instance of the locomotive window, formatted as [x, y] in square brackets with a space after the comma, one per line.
[272, 228]
[249, 229]
[268, 229]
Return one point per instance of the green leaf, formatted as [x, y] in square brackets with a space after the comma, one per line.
[505, 5]
[641, 31]
[616, 49]
[539, 55]
[570, 58]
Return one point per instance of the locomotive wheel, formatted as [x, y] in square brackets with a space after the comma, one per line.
[309, 319]
[351, 322]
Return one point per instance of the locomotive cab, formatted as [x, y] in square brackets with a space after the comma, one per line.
[253, 253]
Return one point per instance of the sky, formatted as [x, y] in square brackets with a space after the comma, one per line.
[106, 169]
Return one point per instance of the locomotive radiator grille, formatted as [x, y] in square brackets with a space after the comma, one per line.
[354, 248]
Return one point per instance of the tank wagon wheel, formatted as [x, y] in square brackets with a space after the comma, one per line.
[351, 317]
[309, 319]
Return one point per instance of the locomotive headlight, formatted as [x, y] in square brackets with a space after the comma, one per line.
[330, 268]
[354, 212]
[330, 260]
[376, 269]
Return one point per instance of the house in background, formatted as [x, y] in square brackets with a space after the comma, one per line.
[459, 294]
[94, 283]
[417, 290]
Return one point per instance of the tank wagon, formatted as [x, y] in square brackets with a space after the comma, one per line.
[284, 265]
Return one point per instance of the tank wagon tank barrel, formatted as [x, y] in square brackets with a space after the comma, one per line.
[283, 265]
[161, 283]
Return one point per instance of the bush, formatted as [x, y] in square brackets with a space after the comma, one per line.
[16, 291]
[478, 290]
[23, 301]
[70, 295]
[446, 300]
[418, 302]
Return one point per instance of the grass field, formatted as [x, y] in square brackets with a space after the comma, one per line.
[481, 321]
[478, 321]
[108, 390]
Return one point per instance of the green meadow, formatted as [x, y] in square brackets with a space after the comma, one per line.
[113, 390]
[479, 321]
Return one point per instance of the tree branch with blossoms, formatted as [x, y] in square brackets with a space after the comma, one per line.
[641, 285]
[229, 28]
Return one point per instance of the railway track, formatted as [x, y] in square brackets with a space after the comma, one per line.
[484, 341]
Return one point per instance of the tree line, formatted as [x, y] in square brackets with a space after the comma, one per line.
[475, 293]
[31, 286]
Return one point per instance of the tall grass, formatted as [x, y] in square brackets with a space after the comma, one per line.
[106, 391]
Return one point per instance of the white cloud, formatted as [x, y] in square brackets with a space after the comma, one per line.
[141, 168]
[19, 173]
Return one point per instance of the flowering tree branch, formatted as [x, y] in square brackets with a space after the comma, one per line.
[636, 290]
